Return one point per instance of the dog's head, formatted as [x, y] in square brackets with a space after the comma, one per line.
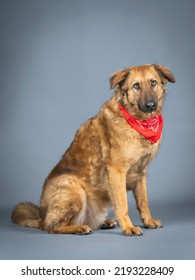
[141, 89]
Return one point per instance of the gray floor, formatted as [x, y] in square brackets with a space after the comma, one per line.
[176, 240]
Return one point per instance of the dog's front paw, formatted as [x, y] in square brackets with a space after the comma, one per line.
[132, 231]
[152, 223]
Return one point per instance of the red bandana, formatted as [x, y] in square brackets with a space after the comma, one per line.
[150, 129]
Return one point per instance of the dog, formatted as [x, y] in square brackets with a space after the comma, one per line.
[109, 156]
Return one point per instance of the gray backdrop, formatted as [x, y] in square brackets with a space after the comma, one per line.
[55, 60]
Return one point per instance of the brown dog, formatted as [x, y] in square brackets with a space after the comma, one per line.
[107, 157]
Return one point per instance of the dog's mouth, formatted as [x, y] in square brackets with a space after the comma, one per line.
[144, 107]
[143, 113]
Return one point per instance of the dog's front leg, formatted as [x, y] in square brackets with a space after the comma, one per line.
[117, 185]
[141, 197]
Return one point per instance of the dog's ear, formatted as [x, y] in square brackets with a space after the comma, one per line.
[118, 77]
[164, 73]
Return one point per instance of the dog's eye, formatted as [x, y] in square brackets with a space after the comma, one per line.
[136, 86]
[153, 83]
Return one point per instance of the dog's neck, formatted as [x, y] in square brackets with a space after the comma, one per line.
[150, 128]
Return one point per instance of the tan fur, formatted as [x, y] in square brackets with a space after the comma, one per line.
[106, 158]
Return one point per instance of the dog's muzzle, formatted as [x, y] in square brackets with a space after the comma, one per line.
[148, 105]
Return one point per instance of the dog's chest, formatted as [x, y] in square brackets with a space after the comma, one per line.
[137, 162]
[139, 151]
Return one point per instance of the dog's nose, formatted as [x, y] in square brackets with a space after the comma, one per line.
[150, 106]
[147, 104]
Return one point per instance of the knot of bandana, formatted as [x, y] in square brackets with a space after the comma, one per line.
[150, 128]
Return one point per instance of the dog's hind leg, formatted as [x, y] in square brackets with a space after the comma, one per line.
[73, 229]
[66, 212]
[108, 224]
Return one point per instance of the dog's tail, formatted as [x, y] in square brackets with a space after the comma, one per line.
[26, 214]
